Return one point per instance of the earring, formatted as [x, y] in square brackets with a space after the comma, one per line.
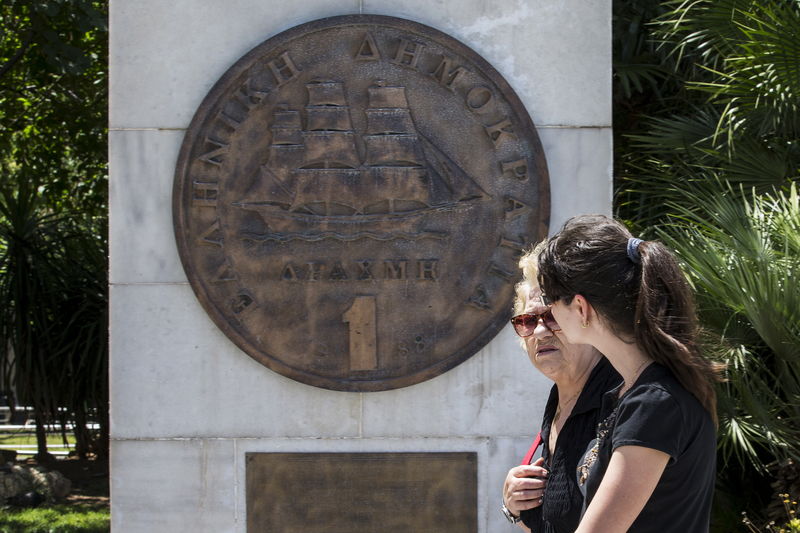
[585, 325]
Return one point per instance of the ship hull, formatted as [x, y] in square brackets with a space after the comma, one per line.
[283, 226]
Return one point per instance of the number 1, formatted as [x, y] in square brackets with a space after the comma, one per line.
[361, 318]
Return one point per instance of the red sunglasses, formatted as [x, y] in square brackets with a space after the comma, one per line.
[525, 323]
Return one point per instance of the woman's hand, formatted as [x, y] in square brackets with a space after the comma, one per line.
[524, 487]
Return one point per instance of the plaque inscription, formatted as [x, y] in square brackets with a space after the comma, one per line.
[362, 492]
[351, 199]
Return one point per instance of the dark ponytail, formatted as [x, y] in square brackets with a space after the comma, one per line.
[665, 324]
[639, 290]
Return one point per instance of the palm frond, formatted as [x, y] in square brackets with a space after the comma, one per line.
[741, 254]
[700, 30]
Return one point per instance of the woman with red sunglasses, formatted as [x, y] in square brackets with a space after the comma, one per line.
[651, 466]
[544, 497]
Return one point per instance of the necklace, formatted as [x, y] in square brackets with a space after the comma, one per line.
[558, 407]
[628, 385]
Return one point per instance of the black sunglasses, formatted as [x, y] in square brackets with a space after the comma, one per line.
[526, 323]
[549, 301]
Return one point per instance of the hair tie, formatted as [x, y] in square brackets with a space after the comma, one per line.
[633, 250]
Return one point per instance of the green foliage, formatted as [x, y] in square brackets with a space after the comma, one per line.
[638, 69]
[54, 314]
[707, 154]
[53, 99]
[751, 50]
[743, 257]
[789, 522]
[53, 188]
[728, 108]
[56, 519]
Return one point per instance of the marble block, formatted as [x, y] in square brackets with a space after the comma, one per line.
[169, 486]
[143, 248]
[555, 55]
[166, 56]
[496, 392]
[198, 485]
[580, 161]
[186, 403]
[176, 375]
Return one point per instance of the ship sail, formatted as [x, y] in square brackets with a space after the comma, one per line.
[393, 154]
[450, 183]
[329, 138]
[286, 127]
[393, 150]
[388, 111]
[324, 93]
[331, 161]
[330, 149]
[329, 119]
[317, 173]
[387, 121]
[382, 96]
[319, 191]
[287, 149]
[391, 138]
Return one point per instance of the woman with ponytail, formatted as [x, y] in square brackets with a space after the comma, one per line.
[652, 465]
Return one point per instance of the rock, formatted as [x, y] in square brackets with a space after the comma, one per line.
[59, 485]
[20, 480]
[8, 456]
[28, 499]
[11, 484]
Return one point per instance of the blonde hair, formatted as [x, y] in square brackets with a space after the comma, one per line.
[521, 290]
[529, 264]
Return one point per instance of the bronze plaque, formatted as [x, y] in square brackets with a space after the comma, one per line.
[351, 199]
[362, 492]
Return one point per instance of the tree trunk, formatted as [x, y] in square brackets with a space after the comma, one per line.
[81, 433]
[42, 455]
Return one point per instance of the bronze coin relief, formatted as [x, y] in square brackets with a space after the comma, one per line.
[351, 199]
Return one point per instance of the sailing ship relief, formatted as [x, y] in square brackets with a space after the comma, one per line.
[319, 186]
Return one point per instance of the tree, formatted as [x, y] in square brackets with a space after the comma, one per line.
[714, 95]
[53, 243]
[706, 153]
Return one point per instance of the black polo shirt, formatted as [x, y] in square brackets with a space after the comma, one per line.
[560, 511]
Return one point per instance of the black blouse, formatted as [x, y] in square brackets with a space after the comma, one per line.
[658, 413]
[561, 509]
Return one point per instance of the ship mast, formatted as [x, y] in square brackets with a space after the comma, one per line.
[393, 153]
[330, 151]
